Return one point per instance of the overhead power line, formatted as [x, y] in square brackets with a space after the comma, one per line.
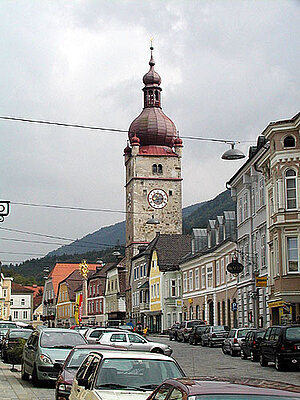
[98, 128]
[57, 237]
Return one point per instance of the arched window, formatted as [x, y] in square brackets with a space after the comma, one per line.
[197, 312]
[154, 169]
[289, 141]
[159, 169]
[156, 95]
[191, 312]
[151, 98]
[290, 187]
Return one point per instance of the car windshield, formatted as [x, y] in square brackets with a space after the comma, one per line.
[20, 334]
[242, 333]
[138, 373]
[3, 331]
[77, 356]
[193, 323]
[241, 397]
[260, 334]
[293, 333]
[61, 339]
[6, 325]
[218, 328]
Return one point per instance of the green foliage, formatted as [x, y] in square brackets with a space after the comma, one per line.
[208, 210]
[14, 353]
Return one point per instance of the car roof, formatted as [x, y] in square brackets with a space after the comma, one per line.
[73, 331]
[134, 355]
[215, 385]
[98, 347]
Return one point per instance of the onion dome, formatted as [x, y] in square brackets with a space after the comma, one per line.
[152, 126]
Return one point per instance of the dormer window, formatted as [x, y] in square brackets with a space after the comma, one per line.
[289, 141]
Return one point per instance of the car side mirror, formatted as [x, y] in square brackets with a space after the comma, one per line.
[83, 382]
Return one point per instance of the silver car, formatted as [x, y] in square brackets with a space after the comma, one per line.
[133, 341]
[93, 335]
[232, 344]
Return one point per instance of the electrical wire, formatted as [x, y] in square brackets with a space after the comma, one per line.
[55, 237]
[22, 254]
[97, 128]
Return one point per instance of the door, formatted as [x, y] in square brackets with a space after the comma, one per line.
[30, 352]
[274, 339]
[136, 342]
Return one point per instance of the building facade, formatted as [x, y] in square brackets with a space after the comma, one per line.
[248, 190]
[21, 303]
[281, 170]
[5, 297]
[115, 305]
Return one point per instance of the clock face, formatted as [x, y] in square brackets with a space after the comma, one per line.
[157, 198]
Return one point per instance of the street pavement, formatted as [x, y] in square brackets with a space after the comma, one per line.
[195, 361]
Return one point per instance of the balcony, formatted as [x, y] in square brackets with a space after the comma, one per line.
[144, 306]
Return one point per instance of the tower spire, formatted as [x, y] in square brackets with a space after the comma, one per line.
[151, 62]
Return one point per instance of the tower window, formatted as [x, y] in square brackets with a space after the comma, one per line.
[170, 193]
[154, 169]
[156, 95]
[289, 141]
[159, 169]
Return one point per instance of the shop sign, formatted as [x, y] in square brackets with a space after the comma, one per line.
[235, 267]
[274, 304]
[178, 303]
[190, 301]
[261, 281]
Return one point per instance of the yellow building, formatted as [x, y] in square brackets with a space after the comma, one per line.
[66, 299]
[5, 294]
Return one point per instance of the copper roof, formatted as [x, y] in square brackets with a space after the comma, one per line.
[153, 127]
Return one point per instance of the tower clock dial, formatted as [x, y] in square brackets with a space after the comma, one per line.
[157, 198]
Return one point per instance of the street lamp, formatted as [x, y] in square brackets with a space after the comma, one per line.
[233, 154]
[153, 221]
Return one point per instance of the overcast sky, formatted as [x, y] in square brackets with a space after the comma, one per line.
[228, 68]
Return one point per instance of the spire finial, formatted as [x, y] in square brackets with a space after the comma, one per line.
[151, 62]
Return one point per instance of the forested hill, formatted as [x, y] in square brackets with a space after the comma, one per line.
[98, 244]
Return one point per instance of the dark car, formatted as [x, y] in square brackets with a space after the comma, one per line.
[186, 328]
[251, 344]
[214, 335]
[196, 334]
[210, 388]
[281, 345]
[68, 369]
[11, 339]
[172, 332]
[4, 327]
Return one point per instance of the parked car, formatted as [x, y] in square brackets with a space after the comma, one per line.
[92, 335]
[251, 344]
[122, 375]
[281, 345]
[186, 328]
[232, 344]
[68, 369]
[172, 331]
[4, 327]
[134, 341]
[43, 349]
[196, 334]
[11, 339]
[214, 335]
[222, 388]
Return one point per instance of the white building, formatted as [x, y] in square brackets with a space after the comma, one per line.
[21, 303]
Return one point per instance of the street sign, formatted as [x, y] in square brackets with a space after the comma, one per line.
[234, 306]
[235, 267]
[261, 281]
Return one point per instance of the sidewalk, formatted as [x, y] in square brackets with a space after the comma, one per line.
[13, 388]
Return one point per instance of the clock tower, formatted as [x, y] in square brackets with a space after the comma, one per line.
[153, 170]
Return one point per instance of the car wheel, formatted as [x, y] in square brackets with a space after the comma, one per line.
[202, 343]
[24, 375]
[4, 358]
[35, 379]
[278, 364]
[243, 355]
[157, 350]
[210, 344]
[191, 340]
[170, 338]
[263, 361]
[223, 349]
[253, 357]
